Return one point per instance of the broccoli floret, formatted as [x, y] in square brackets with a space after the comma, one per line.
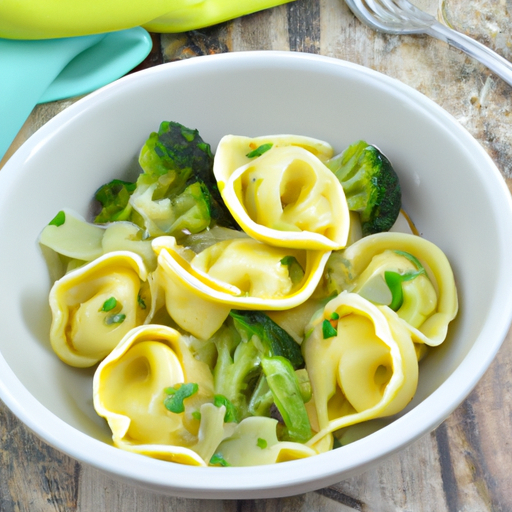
[237, 369]
[273, 339]
[176, 194]
[192, 209]
[173, 155]
[255, 368]
[370, 184]
[114, 198]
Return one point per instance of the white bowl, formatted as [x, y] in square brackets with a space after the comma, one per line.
[451, 189]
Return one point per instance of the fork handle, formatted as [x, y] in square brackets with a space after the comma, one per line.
[496, 63]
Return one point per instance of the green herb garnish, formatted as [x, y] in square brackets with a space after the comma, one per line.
[262, 443]
[295, 271]
[109, 304]
[394, 280]
[328, 330]
[141, 302]
[58, 220]
[218, 460]
[230, 416]
[259, 150]
[174, 402]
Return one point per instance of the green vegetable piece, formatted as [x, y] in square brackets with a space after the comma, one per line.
[328, 331]
[274, 339]
[295, 270]
[175, 148]
[261, 399]
[218, 460]
[118, 318]
[415, 261]
[305, 384]
[285, 387]
[177, 395]
[371, 186]
[177, 167]
[334, 316]
[259, 150]
[58, 220]
[231, 413]
[109, 304]
[192, 210]
[141, 302]
[242, 342]
[394, 280]
[196, 415]
[262, 443]
[114, 199]
[237, 368]
[176, 157]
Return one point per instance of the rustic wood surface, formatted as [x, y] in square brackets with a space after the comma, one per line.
[463, 466]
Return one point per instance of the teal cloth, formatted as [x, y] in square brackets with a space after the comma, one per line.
[39, 71]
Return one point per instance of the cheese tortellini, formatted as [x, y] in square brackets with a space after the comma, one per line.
[94, 306]
[224, 346]
[361, 363]
[242, 273]
[254, 442]
[78, 241]
[407, 273]
[129, 392]
[286, 196]
[233, 150]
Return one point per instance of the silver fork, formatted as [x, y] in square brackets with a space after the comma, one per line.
[401, 17]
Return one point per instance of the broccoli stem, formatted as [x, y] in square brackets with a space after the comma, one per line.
[286, 390]
[274, 339]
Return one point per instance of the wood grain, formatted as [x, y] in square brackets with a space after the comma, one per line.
[465, 464]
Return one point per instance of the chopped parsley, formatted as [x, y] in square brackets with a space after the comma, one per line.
[394, 280]
[141, 302]
[58, 220]
[262, 443]
[109, 304]
[259, 150]
[295, 271]
[218, 460]
[177, 394]
[328, 330]
[230, 416]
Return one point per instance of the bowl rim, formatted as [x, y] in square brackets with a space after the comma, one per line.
[323, 470]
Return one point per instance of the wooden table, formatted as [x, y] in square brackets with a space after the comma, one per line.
[464, 465]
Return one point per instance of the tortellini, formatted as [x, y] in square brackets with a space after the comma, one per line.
[254, 443]
[70, 235]
[409, 274]
[94, 306]
[232, 150]
[129, 392]
[361, 363]
[79, 241]
[240, 273]
[286, 196]
[208, 348]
